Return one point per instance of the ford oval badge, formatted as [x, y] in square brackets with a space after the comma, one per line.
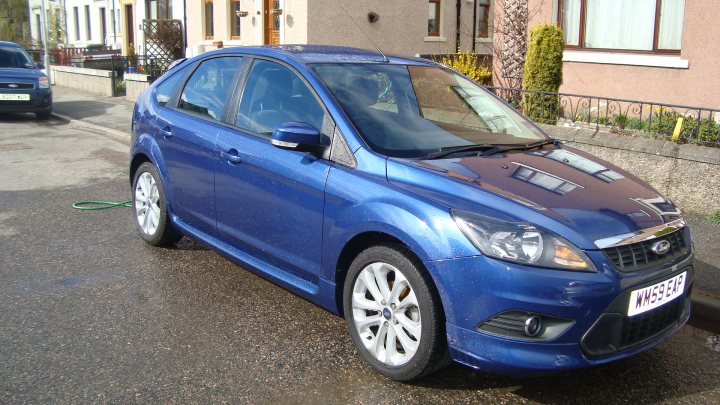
[660, 247]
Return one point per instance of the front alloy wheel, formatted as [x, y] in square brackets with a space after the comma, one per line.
[386, 314]
[393, 313]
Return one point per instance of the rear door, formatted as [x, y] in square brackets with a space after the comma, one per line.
[269, 200]
[187, 134]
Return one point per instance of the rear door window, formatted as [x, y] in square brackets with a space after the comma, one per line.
[207, 90]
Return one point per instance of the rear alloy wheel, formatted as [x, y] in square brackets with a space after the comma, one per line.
[393, 314]
[150, 208]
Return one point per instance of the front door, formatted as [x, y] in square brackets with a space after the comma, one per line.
[272, 22]
[270, 201]
[129, 26]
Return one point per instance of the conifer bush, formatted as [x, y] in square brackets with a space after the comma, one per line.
[543, 71]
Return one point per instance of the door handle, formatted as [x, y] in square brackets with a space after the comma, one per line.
[166, 133]
[232, 156]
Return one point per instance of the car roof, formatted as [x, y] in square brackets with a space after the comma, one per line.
[9, 44]
[326, 54]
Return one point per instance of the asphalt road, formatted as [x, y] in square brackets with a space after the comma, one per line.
[89, 313]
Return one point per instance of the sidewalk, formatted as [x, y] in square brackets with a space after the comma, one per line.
[116, 114]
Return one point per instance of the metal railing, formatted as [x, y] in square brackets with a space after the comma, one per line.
[679, 123]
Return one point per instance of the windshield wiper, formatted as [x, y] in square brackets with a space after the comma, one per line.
[529, 146]
[484, 149]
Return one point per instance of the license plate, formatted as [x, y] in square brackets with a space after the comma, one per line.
[656, 295]
[15, 97]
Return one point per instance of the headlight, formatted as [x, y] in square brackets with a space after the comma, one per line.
[520, 242]
[43, 82]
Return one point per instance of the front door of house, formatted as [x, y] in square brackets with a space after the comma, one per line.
[129, 26]
[271, 22]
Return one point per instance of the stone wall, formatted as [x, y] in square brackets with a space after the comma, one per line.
[135, 83]
[90, 80]
[687, 174]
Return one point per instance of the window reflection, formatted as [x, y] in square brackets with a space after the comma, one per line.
[659, 205]
[580, 163]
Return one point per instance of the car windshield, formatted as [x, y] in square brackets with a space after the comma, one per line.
[14, 58]
[414, 111]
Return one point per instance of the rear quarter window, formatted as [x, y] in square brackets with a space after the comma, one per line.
[165, 90]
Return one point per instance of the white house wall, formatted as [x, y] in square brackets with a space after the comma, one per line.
[77, 34]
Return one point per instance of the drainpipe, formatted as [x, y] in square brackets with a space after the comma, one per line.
[184, 26]
[64, 6]
[457, 28]
[114, 16]
[474, 24]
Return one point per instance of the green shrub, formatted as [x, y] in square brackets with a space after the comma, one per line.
[663, 122]
[619, 121]
[635, 123]
[467, 64]
[543, 71]
[715, 217]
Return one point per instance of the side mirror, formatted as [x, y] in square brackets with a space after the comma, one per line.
[296, 135]
[40, 66]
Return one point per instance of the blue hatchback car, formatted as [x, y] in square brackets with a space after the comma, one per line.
[23, 86]
[439, 222]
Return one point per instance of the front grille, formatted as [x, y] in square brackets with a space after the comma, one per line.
[614, 331]
[639, 328]
[17, 86]
[639, 256]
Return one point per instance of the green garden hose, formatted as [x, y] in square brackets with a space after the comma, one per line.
[100, 205]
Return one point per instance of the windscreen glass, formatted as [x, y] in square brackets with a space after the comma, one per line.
[411, 111]
[14, 58]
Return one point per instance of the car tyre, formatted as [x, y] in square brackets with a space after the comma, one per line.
[393, 313]
[44, 115]
[150, 208]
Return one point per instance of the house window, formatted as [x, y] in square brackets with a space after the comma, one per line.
[434, 18]
[76, 15]
[103, 26]
[234, 19]
[158, 9]
[113, 21]
[88, 30]
[483, 13]
[209, 30]
[39, 25]
[628, 25]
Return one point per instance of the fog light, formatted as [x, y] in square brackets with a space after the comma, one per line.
[526, 326]
[533, 325]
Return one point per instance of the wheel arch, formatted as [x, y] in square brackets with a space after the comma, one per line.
[363, 241]
[135, 163]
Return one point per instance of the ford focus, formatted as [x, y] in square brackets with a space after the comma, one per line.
[439, 222]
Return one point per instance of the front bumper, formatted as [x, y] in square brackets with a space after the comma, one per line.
[40, 101]
[476, 289]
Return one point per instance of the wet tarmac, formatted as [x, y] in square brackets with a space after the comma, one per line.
[90, 313]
